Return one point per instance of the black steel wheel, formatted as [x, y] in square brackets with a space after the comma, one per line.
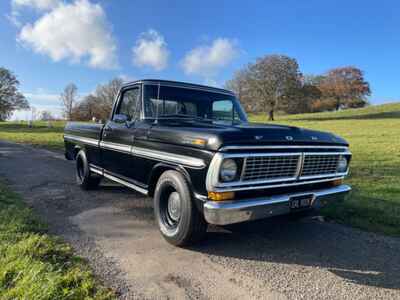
[84, 178]
[178, 219]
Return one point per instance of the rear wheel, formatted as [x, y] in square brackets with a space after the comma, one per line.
[84, 177]
[178, 219]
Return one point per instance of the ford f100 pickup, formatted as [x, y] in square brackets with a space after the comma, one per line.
[191, 148]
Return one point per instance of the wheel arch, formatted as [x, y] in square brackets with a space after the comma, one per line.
[159, 169]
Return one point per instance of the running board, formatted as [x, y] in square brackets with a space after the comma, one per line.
[119, 180]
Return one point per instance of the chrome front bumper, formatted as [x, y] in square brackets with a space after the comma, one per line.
[229, 212]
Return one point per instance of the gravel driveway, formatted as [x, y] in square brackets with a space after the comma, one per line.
[273, 259]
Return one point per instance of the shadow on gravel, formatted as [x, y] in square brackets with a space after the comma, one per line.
[356, 256]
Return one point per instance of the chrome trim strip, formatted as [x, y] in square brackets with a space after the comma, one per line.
[85, 140]
[251, 147]
[143, 152]
[97, 171]
[328, 153]
[230, 212]
[200, 197]
[117, 147]
[169, 157]
[128, 184]
[323, 176]
[300, 166]
[271, 186]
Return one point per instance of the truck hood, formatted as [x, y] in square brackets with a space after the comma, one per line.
[219, 135]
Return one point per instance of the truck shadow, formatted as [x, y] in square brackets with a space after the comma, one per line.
[356, 256]
[359, 257]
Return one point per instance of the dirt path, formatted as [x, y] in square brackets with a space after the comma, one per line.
[274, 259]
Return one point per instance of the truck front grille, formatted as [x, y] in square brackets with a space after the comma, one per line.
[289, 166]
[271, 167]
[315, 165]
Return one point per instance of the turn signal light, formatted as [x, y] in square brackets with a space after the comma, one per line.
[199, 142]
[221, 196]
[337, 182]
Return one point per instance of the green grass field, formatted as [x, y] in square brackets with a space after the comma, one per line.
[39, 135]
[374, 136]
[35, 265]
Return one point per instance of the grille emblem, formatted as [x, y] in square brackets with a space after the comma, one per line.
[314, 138]
[258, 137]
[289, 138]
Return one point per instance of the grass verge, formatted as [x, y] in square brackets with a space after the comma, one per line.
[39, 135]
[35, 265]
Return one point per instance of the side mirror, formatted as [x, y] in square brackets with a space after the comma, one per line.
[119, 118]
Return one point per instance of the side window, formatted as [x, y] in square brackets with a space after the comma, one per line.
[222, 110]
[128, 105]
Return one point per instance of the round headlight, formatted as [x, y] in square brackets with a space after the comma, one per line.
[228, 170]
[342, 164]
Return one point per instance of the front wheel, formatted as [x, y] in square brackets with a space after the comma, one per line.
[178, 219]
[84, 178]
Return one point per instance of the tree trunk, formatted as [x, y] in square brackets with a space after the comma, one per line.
[337, 104]
[271, 115]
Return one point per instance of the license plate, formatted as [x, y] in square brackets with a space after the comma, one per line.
[299, 202]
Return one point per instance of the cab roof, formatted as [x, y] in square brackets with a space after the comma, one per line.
[179, 84]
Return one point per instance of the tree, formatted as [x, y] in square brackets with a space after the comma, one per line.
[269, 84]
[98, 104]
[345, 87]
[10, 98]
[106, 95]
[68, 99]
[46, 115]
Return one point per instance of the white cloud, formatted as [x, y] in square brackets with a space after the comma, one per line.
[75, 31]
[126, 78]
[207, 60]
[37, 4]
[151, 50]
[44, 99]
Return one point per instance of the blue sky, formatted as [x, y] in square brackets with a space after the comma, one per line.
[50, 43]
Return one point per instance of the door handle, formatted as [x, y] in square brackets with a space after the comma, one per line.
[107, 129]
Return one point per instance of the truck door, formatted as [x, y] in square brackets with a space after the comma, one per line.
[118, 135]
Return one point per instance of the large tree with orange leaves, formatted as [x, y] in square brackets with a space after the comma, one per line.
[344, 87]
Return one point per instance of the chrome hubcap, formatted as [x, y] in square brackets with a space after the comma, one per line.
[174, 206]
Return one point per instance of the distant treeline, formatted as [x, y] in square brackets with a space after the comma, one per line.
[275, 83]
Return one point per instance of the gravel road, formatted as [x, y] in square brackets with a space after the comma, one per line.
[114, 229]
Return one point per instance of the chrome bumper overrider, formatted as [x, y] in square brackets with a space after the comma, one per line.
[229, 212]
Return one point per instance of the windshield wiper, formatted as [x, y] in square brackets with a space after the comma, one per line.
[197, 118]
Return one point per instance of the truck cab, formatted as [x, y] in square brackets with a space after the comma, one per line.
[191, 148]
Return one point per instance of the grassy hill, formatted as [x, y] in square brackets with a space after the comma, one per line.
[374, 136]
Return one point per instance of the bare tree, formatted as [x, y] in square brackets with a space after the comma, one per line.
[10, 98]
[98, 104]
[68, 99]
[46, 115]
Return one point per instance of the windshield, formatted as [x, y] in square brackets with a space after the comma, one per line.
[174, 102]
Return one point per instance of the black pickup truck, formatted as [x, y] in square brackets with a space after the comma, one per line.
[191, 148]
